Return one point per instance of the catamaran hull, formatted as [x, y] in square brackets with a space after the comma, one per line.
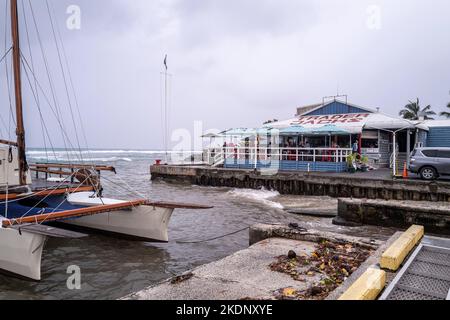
[145, 223]
[21, 253]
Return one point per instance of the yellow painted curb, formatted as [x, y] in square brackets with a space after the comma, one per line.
[394, 256]
[367, 287]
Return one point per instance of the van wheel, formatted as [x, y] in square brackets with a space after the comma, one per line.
[428, 173]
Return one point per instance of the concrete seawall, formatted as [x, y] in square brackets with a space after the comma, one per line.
[369, 186]
[434, 216]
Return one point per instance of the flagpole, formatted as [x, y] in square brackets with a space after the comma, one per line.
[166, 123]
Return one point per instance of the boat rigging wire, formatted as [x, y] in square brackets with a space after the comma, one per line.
[37, 100]
[51, 82]
[215, 238]
[64, 79]
[1, 117]
[74, 93]
[55, 112]
[4, 56]
[8, 78]
[44, 198]
[40, 111]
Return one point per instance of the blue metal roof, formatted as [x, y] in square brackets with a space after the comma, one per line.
[438, 137]
[337, 107]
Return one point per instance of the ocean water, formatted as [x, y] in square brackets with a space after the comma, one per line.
[112, 268]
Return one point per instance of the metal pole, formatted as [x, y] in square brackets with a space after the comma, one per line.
[256, 151]
[408, 147]
[394, 157]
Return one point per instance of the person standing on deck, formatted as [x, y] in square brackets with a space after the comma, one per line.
[355, 147]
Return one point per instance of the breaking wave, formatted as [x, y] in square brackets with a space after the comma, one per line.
[261, 196]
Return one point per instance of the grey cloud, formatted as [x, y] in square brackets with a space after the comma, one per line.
[236, 63]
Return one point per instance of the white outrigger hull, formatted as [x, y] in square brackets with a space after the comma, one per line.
[21, 252]
[142, 222]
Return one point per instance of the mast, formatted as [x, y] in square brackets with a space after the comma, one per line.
[20, 130]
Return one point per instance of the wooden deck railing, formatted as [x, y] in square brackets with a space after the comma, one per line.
[253, 154]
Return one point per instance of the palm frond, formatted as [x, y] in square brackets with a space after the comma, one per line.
[445, 114]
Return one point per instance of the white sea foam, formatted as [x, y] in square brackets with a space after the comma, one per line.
[76, 152]
[65, 159]
[261, 196]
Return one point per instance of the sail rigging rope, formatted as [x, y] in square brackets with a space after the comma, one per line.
[1, 117]
[36, 86]
[4, 56]
[57, 111]
[46, 197]
[215, 238]
[35, 83]
[72, 87]
[64, 79]
[40, 110]
[8, 78]
[53, 108]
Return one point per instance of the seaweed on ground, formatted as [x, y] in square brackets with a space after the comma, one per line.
[332, 262]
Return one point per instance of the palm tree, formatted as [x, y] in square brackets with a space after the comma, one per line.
[446, 113]
[413, 111]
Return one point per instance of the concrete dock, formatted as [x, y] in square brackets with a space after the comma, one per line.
[283, 264]
[434, 216]
[249, 274]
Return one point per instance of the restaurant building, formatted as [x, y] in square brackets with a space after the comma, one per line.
[322, 136]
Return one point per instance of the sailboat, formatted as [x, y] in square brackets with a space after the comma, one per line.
[31, 211]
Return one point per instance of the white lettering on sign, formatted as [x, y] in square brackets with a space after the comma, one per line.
[331, 119]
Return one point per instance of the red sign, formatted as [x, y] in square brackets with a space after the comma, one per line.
[331, 119]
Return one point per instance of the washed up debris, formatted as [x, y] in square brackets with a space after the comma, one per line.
[286, 294]
[292, 254]
[331, 213]
[182, 278]
[297, 227]
[332, 263]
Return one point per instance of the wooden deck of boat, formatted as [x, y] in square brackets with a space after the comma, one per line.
[43, 187]
[43, 184]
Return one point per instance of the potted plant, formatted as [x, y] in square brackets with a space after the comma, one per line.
[351, 163]
[364, 163]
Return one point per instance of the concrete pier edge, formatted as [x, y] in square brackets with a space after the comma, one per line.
[342, 185]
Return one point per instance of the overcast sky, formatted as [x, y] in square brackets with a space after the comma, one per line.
[234, 63]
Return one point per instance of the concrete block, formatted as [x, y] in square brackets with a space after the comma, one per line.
[367, 287]
[394, 256]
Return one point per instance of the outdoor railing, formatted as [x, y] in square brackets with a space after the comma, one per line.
[218, 155]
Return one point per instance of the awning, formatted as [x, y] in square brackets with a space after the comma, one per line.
[353, 123]
[212, 135]
[293, 130]
[239, 132]
[330, 129]
[247, 132]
